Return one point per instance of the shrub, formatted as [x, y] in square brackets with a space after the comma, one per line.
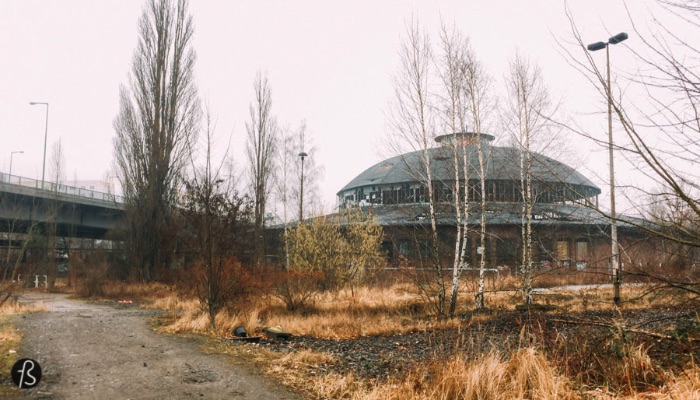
[297, 288]
[236, 287]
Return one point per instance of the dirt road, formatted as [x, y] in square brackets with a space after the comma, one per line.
[90, 351]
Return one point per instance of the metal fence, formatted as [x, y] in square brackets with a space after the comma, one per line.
[59, 188]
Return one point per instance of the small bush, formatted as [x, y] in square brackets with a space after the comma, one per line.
[297, 288]
[93, 281]
[234, 287]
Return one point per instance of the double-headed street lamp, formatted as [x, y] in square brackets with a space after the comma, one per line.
[46, 135]
[12, 153]
[615, 257]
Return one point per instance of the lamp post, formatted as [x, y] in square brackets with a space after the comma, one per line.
[301, 191]
[615, 256]
[12, 153]
[46, 135]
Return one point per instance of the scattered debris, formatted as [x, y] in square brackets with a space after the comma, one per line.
[240, 335]
[277, 333]
[240, 331]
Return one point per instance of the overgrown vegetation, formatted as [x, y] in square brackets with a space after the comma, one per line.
[329, 254]
[584, 349]
[330, 288]
[10, 340]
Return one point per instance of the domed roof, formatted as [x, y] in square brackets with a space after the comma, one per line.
[503, 163]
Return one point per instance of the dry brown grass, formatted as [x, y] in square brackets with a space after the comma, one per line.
[524, 373]
[684, 385]
[116, 290]
[7, 333]
[173, 302]
[366, 311]
[195, 320]
[9, 343]
[12, 307]
[293, 370]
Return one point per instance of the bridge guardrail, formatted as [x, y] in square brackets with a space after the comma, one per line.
[59, 188]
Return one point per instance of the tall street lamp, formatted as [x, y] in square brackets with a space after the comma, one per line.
[301, 192]
[46, 135]
[12, 153]
[615, 257]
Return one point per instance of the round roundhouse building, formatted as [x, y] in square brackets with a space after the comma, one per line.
[566, 229]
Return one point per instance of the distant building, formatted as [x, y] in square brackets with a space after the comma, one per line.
[566, 229]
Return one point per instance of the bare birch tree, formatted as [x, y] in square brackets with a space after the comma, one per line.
[158, 121]
[286, 160]
[454, 110]
[260, 150]
[412, 120]
[283, 176]
[477, 85]
[526, 117]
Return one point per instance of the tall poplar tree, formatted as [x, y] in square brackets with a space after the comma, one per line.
[156, 128]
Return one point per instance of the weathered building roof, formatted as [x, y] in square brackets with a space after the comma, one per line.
[502, 164]
[507, 214]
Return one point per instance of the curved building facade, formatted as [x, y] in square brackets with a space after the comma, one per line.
[565, 230]
[401, 179]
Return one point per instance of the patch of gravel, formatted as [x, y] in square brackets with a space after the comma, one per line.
[97, 351]
[381, 357]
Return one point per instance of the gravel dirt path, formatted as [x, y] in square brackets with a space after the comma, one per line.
[94, 351]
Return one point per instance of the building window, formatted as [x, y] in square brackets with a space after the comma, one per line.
[505, 251]
[403, 248]
[581, 255]
[581, 251]
[563, 252]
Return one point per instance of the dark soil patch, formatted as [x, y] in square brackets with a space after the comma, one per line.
[573, 341]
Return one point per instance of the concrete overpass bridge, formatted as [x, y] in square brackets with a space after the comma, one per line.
[77, 212]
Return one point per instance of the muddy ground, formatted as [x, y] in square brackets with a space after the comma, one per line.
[97, 351]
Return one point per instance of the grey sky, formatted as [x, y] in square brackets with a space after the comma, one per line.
[329, 63]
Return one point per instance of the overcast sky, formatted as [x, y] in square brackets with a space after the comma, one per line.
[329, 63]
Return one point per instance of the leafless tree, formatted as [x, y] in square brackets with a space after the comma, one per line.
[454, 111]
[283, 184]
[54, 208]
[412, 120]
[477, 84]
[158, 121]
[526, 117]
[260, 149]
[216, 229]
[656, 110]
[305, 192]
